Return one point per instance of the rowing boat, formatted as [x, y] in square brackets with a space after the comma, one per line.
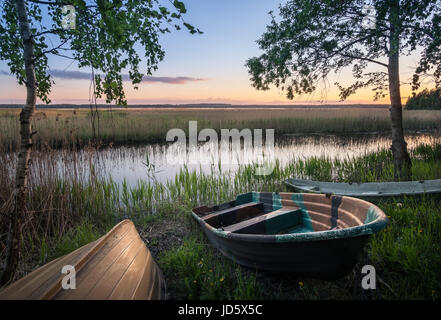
[117, 266]
[369, 189]
[308, 234]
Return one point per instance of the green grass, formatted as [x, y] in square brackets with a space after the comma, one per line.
[408, 252]
[200, 273]
[81, 235]
[68, 213]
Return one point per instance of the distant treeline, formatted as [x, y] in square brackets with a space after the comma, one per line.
[426, 99]
[199, 105]
[106, 106]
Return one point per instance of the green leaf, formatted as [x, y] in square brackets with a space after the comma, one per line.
[180, 6]
[103, 40]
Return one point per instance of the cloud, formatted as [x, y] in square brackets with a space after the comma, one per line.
[70, 75]
[171, 80]
[79, 75]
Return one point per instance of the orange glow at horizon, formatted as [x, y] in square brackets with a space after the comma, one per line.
[207, 93]
[219, 90]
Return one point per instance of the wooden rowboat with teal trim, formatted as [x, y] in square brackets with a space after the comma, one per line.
[368, 189]
[308, 234]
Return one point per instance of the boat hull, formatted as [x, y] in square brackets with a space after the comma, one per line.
[369, 189]
[118, 266]
[326, 233]
[331, 260]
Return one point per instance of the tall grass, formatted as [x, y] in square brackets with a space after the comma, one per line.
[68, 129]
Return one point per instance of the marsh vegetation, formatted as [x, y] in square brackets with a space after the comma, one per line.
[72, 128]
[75, 200]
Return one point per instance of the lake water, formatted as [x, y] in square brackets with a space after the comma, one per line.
[164, 161]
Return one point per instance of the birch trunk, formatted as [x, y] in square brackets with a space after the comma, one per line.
[402, 162]
[18, 214]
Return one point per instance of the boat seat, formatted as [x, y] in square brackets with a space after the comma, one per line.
[234, 214]
[259, 224]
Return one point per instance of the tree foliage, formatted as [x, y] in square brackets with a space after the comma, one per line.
[312, 38]
[110, 36]
[426, 99]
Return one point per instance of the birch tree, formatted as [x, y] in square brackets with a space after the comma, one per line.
[100, 35]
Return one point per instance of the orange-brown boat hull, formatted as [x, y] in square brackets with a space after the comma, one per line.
[117, 266]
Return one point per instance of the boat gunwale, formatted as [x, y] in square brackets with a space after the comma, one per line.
[365, 229]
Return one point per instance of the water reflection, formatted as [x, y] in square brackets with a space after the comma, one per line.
[132, 163]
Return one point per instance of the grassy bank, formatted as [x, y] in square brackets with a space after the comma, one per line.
[67, 128]
[69, 209]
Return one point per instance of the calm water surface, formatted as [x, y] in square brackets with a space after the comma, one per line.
[131, 163]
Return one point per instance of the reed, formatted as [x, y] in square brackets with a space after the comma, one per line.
[72, 128]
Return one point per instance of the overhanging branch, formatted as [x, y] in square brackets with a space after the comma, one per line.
[364, 59]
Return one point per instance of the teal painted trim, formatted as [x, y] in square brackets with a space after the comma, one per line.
[243, 198]
[371, 215]
[277, 201]
[247, 198]
[366, 229]
[283, 221]
[298, 200]
[378, 224]
[220, 233]
[306, 219]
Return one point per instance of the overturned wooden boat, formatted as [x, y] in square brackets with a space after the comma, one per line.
[116, 266]
[307, 234]
[369, 189]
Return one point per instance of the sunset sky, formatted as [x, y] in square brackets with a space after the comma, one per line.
[207, 68]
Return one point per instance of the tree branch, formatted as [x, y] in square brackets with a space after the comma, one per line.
[51, 51]
[364, 59]
[57, 3]
[51, 2]
[51, 31]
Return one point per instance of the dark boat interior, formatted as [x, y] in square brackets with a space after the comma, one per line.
[252, 218]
